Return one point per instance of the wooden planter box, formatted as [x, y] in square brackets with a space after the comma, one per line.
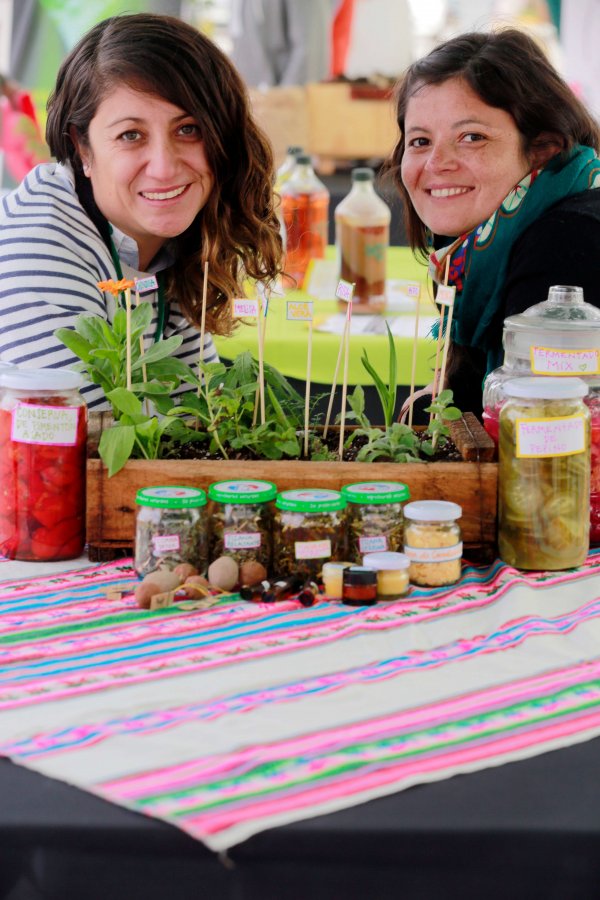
[472, 484]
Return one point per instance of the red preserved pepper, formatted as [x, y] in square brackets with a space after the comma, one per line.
[42, 467]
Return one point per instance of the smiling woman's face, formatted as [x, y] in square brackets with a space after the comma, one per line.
[462, 157]
[148, 167]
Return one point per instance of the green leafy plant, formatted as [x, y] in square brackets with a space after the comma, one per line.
[387, 392]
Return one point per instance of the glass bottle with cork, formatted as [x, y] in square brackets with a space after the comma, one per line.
[305, 205]
[362, 227]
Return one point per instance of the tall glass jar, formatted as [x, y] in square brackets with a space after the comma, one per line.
[309, 531]
[43, 434]
[305, 203]
[544, 473]
[241, 520]
[374, 520]
[170, 528]
[362, 237]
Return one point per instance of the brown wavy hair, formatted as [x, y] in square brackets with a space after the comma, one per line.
[509, 71]
[237, 231]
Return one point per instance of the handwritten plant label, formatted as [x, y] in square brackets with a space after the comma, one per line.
[344, 291]
[312, 549]
[243, 307]
[55, 425]
[372, 544]
[238, 541]
[165, 543]
[445, 295]
[560, 436]
[552, 361]
[145, 285]
[299, 310]
[413, 289]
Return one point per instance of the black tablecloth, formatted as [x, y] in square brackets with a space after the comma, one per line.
[523, 831]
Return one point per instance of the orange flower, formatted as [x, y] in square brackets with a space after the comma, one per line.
[115, 287]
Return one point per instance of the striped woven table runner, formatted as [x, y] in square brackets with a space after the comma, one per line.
[230, 720]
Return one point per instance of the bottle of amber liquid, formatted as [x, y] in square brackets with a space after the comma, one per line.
[362, 236]
[283, 174]
[305, 203]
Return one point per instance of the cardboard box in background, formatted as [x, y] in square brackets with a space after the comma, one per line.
[282, 113]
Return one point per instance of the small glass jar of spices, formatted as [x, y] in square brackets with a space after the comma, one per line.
[433, 542]
[170, 528]
[309, 531]
[374, 516]
[241, 520]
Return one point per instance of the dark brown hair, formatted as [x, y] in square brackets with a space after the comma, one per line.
[509, 71]
[237, 231]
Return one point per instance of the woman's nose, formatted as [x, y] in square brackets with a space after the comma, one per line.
[163, 159]
[441, 157]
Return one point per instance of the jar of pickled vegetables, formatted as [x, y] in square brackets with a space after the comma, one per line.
[374, 518]
[241, 520]
[433, 542]
[544, 473]
[170, 528]
[43, 434]
[309, 531]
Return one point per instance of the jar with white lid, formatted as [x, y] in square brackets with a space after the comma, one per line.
[374, 519]
[170, 528]
[433, 542]
[392, 573]
[241, 520]
[309, 531]
[544, 473]
[43, 435]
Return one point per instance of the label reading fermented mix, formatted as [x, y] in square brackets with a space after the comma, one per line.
[553, 361]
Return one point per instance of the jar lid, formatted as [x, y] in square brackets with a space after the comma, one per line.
[375, 492]
[432, 511]
[363, 173]
[242, 491]
[386, 560]
[359, 575]
[545, 387]
[310, 500]
[171, 497]
[303, 159]
[40, 379]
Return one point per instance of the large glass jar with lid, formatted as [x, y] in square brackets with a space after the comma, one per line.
[241, 520]
[560, 338]
[374, 520]
[309, 531]
[43, 434]
[544, 473]
[170, 528]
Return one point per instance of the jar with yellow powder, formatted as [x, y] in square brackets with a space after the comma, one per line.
[433, 542]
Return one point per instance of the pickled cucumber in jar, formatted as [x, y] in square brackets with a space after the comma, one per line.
[544, 473]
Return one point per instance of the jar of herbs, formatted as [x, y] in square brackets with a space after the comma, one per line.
[374, 517]
[43, 436]
[241, 520]
[433, 542]
[544, 473]
[309, 531]
[170, 528]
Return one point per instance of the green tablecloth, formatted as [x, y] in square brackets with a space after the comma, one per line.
[286, 342]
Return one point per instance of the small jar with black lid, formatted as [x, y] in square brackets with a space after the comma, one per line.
[359, 586]
[170, 528]
[241, 520]
[374, 516]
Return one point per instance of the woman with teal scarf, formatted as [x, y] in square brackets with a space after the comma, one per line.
[497, 164]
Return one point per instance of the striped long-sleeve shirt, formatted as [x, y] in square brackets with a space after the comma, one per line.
[51, 258]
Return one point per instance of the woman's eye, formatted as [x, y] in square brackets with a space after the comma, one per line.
[418, 142]
[473, 136]
[189, 130]
[129, 136]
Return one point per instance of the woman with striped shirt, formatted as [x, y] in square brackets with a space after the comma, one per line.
[159, 169]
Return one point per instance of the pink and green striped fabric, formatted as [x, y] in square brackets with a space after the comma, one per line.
[234, 719]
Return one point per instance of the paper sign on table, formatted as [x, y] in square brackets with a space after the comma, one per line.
[244, 307]
[299, 310]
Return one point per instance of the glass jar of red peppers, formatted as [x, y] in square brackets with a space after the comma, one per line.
[43, 433]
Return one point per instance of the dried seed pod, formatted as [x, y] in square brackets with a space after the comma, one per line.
[144, 593]
[251, 572]
[185, 571]
[223, 573]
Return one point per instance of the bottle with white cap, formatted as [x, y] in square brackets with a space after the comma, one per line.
[43, 434]
[544, 473]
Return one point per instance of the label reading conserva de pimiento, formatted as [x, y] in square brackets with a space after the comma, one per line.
[165, 543]
[312, 549]
[554, 361]
[560, 436]
[238, 541]
[434, 554]
[54, 425]
[372, 544]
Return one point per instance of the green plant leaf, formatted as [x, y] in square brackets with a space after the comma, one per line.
[116, 444]
[125, 402]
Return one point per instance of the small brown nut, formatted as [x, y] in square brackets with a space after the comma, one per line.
[200, 581]
[251, 572]
[144, 593]
[184, 571]
[223, 573]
